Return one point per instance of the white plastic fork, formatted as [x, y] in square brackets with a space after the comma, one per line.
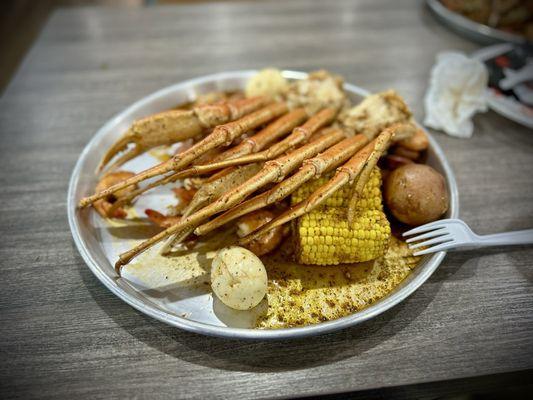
[448, 234]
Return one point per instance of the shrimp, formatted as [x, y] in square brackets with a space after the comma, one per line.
[104, 206]
[164, 221]
[265, 243]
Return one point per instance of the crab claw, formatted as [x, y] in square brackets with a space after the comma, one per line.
[174, 126]
[156, 130]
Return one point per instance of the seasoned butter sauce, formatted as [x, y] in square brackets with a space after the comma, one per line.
[298, 295]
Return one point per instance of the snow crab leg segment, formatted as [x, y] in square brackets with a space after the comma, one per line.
[381, 146]
[266, 136]
[344, 175]
[221, 135]
[312, 168]
[298, 135]
[276, 129]
[272, 171]
[276, 170]
[212, 190]
[302, 133]
[177, 125]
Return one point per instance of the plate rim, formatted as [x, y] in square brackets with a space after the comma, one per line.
[243, 333]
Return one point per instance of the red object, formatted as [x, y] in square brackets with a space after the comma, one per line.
[502, 62]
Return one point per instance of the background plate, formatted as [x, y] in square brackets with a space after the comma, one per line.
[195, 313]
[470, 29]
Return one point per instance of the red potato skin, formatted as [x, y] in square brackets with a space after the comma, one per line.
[416, 194]
[161, 220]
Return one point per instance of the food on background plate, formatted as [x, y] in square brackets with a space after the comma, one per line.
[515, 16]
[294, 177]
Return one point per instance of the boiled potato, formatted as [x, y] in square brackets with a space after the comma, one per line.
[416, 194]
[238, 278]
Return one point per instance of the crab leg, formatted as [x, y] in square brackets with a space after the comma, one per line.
[344, 175]
[128, 198]
[212, 190]
[176, 125]
[221, 135]
[311, 168]
[302, 133]
[372, 160]
[272, 171]
[272, 132]
[253, 144]
[298, 135]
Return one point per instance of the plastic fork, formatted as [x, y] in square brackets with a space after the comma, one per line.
[448, 234]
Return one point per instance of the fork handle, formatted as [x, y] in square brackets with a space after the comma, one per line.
[507, 238]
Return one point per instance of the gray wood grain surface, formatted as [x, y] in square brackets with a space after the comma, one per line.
[62, 334]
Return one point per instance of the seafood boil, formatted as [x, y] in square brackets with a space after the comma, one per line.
[287, 171]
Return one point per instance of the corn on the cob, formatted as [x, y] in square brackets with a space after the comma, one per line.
[325, 237]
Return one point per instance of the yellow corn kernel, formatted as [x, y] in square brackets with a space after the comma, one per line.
[324, 235]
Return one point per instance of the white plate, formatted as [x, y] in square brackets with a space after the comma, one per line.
[195, 312]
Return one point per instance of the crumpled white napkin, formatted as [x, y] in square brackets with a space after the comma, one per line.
[456, 92]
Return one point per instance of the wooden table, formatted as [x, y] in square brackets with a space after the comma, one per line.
[62, 334]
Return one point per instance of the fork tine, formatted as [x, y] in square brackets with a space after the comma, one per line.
[440, 239]
[434, 249]
[427, 227]
[427, 235]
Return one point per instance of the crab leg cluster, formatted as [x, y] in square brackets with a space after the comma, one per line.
[277, 170]
[254, 144]
[222, 135]
[257, 142]
[311, 169]
[177, 125]
[299, 134]
[272, 171]
[290, 149]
